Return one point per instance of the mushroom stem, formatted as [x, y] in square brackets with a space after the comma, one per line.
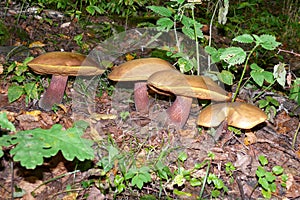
[179, 111]
[55, 92]
[141, 98]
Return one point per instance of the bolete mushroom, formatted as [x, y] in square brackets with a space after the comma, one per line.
[61, 65]
[185, 87]
[237, 114]
[138, 71]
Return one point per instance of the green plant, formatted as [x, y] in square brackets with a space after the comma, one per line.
[270, 105]
[23, 82]
[32, 146]
[190, 27]
[266, 179]
[233, 56]
[138, 176]
[229, 169]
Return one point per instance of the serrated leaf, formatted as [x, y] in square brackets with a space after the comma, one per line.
[214, 53]
[165, 23]
[268, 42]
[226, 77]
[257, 77]
[14, 92]
[165, 12]
[189, 32]
[5, 123]
[245, 38]
[233, 55]
[33, 145]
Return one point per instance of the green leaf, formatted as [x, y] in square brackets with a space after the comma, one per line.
[165, 24]
[214, 53]
[263, 103]
[233, 55]
[260, 172]
[245, 38]
[181, 193]
[5, 123]
[268, 42]
[263, 160]
[266, 193]
[179, 180]
[272, 101]
[279, 73]
[5, 141]
[195, 182]
[165, 12]
[258, 77]
[92, 9]
[31, 90]
[277, 170]
[226, 77]
[182, 156]
[270, 177]
[264, 183]
[14, 92]
[295, 91]
[33, 145]
[189, 32]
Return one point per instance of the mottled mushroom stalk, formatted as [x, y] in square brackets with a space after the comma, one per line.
[54, 93]
[141, 98]
[178, 113]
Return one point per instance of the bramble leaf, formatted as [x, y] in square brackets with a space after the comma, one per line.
[226, 77]
[268, 42]
[165, 23]
[161, 10]
[245, 38]
[233, 55]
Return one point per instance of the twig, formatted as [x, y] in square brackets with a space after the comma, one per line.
[286, 51]
[295, 136]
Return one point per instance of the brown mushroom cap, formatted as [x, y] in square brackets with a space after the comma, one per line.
[61, 65]
[172, 81]
[65, 64]
[139, 69]
[237, 114]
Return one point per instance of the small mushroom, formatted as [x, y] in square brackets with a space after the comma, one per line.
[61, 65]
[138, 71]
[185, 87]
[237, 114]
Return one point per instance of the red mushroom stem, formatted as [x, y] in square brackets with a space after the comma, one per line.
[179, 111]
[54, 93]
[141, 98]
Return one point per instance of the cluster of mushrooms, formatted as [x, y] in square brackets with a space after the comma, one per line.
[157, 75]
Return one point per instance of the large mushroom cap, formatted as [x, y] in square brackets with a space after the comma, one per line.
[237, 114]
[172, 81]
[139, 69]
[64, 64]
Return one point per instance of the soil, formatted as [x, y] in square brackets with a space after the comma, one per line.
[143, 137]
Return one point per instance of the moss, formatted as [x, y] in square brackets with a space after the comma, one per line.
[4, 34]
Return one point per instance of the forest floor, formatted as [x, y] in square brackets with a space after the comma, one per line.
[137, 134]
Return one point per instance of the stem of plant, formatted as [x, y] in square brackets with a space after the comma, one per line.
[196, 43]
[243, 73]
[204, 180]
[267, 88]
